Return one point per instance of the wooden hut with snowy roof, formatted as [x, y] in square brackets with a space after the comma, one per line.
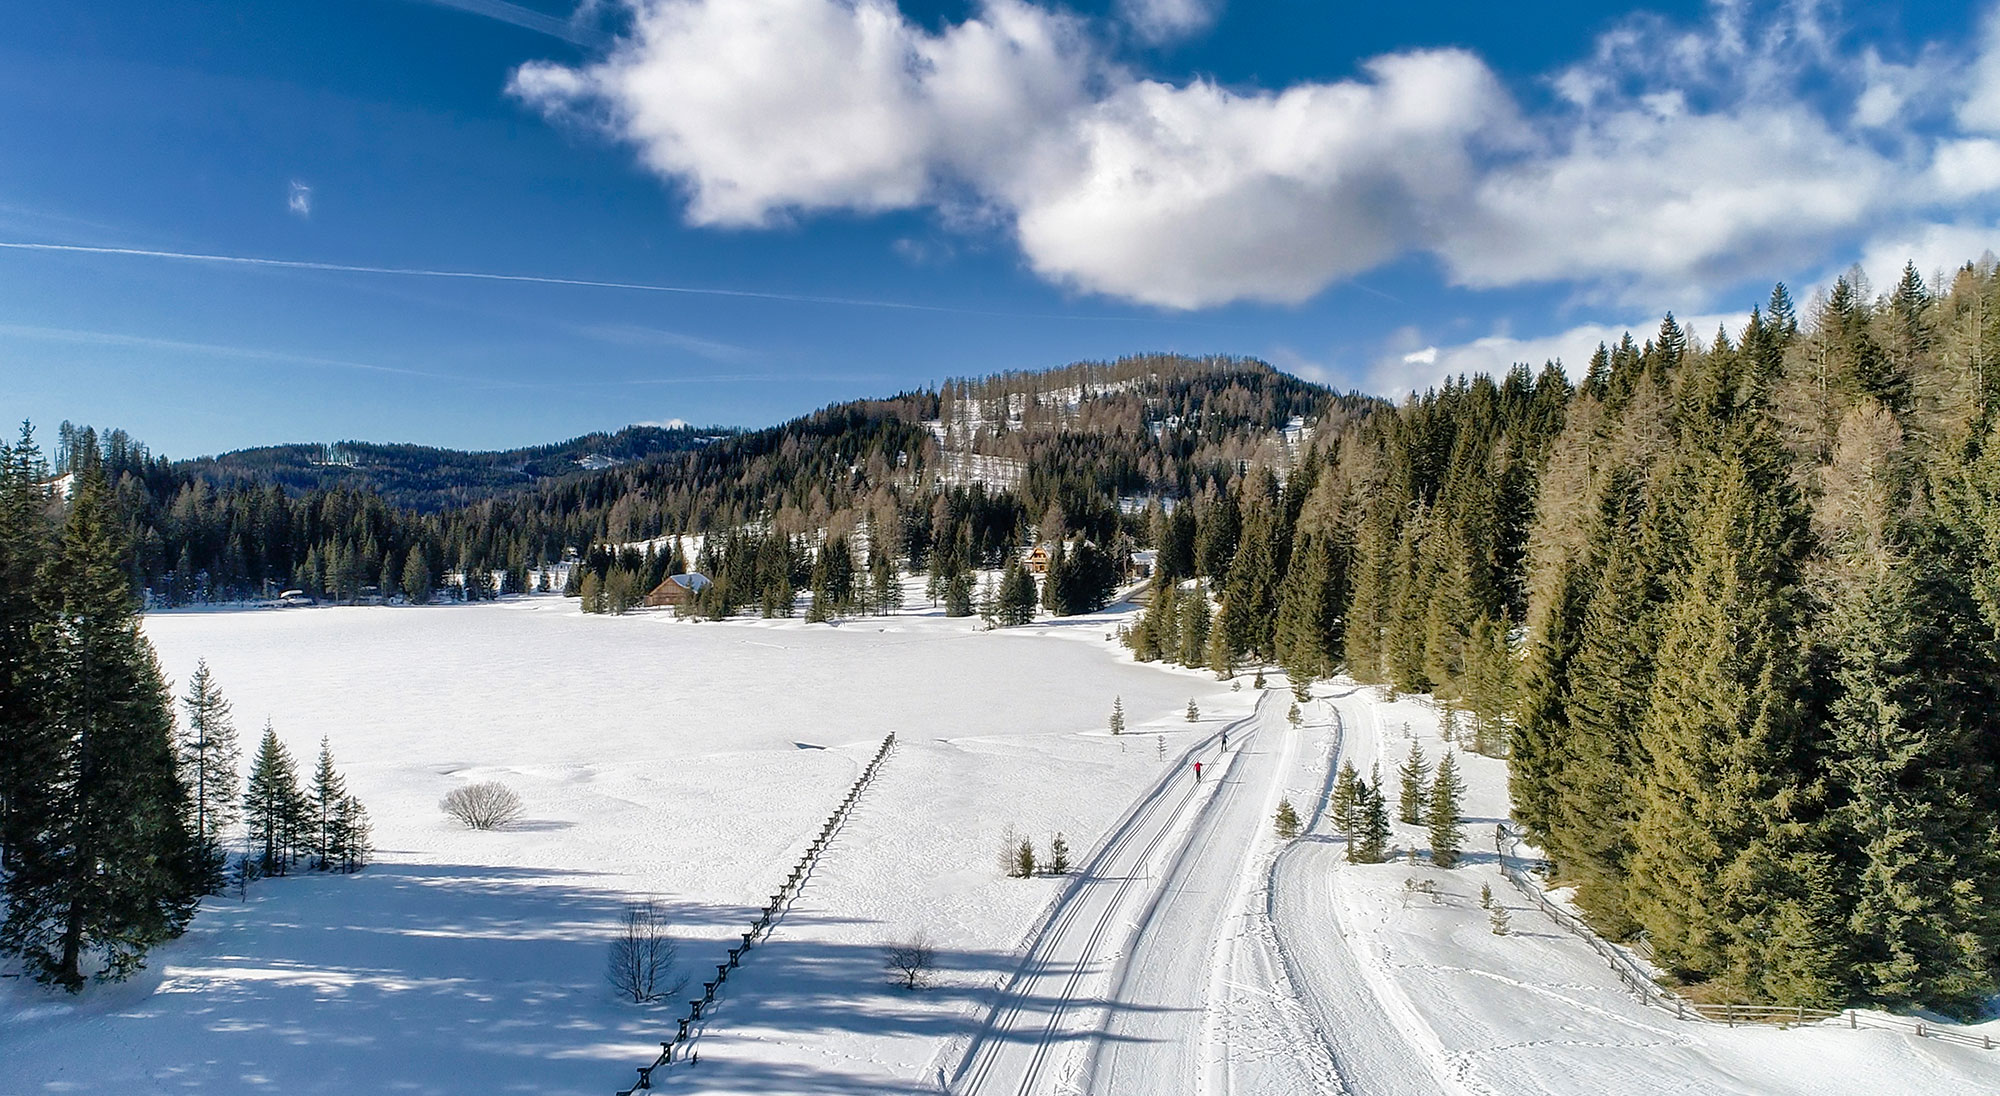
[677, 591]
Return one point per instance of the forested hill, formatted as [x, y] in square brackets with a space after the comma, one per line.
[428, 479]
[1002, 453]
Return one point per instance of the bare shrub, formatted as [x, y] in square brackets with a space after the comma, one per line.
[641, 965]
[487, 805]
[911, 960]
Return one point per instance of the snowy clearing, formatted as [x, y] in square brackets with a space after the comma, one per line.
[658, 758]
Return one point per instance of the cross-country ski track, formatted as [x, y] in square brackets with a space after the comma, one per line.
[1116, 992]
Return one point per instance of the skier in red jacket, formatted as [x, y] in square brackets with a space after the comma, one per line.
[1197, 772]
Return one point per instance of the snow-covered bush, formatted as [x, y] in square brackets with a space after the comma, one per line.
[487, 805]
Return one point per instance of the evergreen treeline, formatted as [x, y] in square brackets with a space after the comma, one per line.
[428, 479]
[1067, 444]
[1730, 606]
[113, 816]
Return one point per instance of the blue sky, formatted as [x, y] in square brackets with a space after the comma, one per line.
[1368, 195]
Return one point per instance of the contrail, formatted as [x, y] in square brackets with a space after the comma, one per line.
[538, 279]
[526, 18]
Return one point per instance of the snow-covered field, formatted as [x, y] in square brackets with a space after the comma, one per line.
[657, 758]
[691, 763]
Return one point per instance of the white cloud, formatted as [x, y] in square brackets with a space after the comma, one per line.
[1395, 375]
[1979, 111]
[1968, 167]
[1160, 21]
[762, 107]
[1934, 248]
[299, 199]
[1675, 159]
[1195, 196]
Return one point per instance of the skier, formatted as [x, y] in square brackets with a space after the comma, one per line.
[1197, 772]
[1225, 739]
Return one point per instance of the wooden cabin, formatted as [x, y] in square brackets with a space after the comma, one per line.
[677, 591]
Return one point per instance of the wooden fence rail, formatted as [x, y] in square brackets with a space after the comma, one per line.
[761, 928]
[1642, 985]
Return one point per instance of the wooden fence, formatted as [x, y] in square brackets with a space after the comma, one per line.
[1642, 985]
[761, 928]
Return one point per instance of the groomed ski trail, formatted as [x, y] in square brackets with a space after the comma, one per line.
[1368, 1026]
[1128, 895]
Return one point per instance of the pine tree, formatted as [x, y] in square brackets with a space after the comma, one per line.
[1286, 820]
[350, 838]
[1416, 790]
[29, 746]
[274, 808]
[1373, 807]
[1193, 712]
[1726, 790]
[108, 863]
[1058, 855]
[1342, 802]
[1447, 796]
[1117, 722]
[329, 791]
[208, 758]
[1017, 595]
[1194, 627]
[1307, 632]
[1915, 682]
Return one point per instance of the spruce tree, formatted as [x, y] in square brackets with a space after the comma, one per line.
[329, 791]
[108, 865]
[208, 758]
[1373, 808]
[1447, 797]
[1726, 791]
[274, 808]
[1343, 800]
[1915, 681]
[29, 746]
[1307, 630]
[1157, 635]
[350, 838]
[1592, 802]
[1194, 628]
[1117, 721]
[1416, 790]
